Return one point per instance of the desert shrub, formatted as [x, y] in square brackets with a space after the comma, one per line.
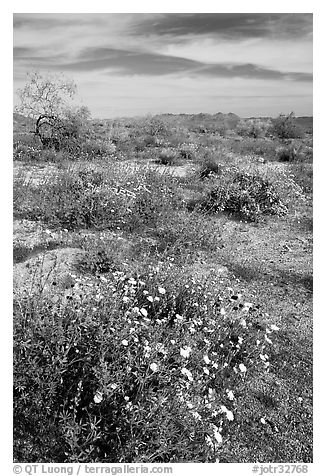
[244, 195]
[153, 201]
[133, 368]
[184, 234]
[208, 168]
[188, 151]
[285, 127]
[294, 152]
[29, 140]
[94, 148]
[93, 198]
[254, 128]
[75, 200]
[26, 153]
[303, 176]
[168, 156]
[261, 147]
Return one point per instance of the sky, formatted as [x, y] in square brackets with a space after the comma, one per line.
[251, 64]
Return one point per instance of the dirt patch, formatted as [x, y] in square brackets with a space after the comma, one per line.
[47, 272]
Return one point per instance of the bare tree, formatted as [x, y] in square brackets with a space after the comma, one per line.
[48, 100]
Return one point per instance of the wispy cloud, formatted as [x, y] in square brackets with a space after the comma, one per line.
[164, 55]
[130, 62]
[226, 25]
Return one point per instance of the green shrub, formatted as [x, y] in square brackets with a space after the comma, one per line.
[94, 148]
[285, 127]
[209, 168]
[244, 195]
[168, 156]
[188, 151]
[294, 152]
[74, 200]
[131, 369]
[254, 128]
[26, 153]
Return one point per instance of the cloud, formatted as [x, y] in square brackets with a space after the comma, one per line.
[224, 25]
[42, 21]
[142, 63]
[251, 71]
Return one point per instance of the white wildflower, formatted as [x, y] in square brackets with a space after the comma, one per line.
[153, 367]
[242, 368]
[205, 370]
[143, 312]
[124, 342]
[274, 328]
[228, 413]
[209, 441]
[98, 397]
[161, 290]
[217, 434]
[230, 395]
[125, 299]
[196, 416]
[185, 352]
[187, 373]
[150, 298]
[268, 340]
[206, 359]
[263, 421]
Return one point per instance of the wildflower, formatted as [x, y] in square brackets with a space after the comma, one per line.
[114, 386]
[145, 292]
[132, 281]
[187, 373]
[206, 359]
[209, 441]
[230, 395]
[153, 367]
[161, 290]
[242, 368]
[98, 397]
[143, 312]
[222, 311]
[156, 298]
[172, 341]
[215, 365]
[150, 299]
[178, 317]
[217, 434]
[185, 352]
[268, 340]
[274, 328]
[205, 370]
[229, 414]
[263, 421]
[243, 323]
[196, 416]
[124, 342]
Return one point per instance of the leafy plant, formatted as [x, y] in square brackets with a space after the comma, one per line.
[285, 127]
[244, 195]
